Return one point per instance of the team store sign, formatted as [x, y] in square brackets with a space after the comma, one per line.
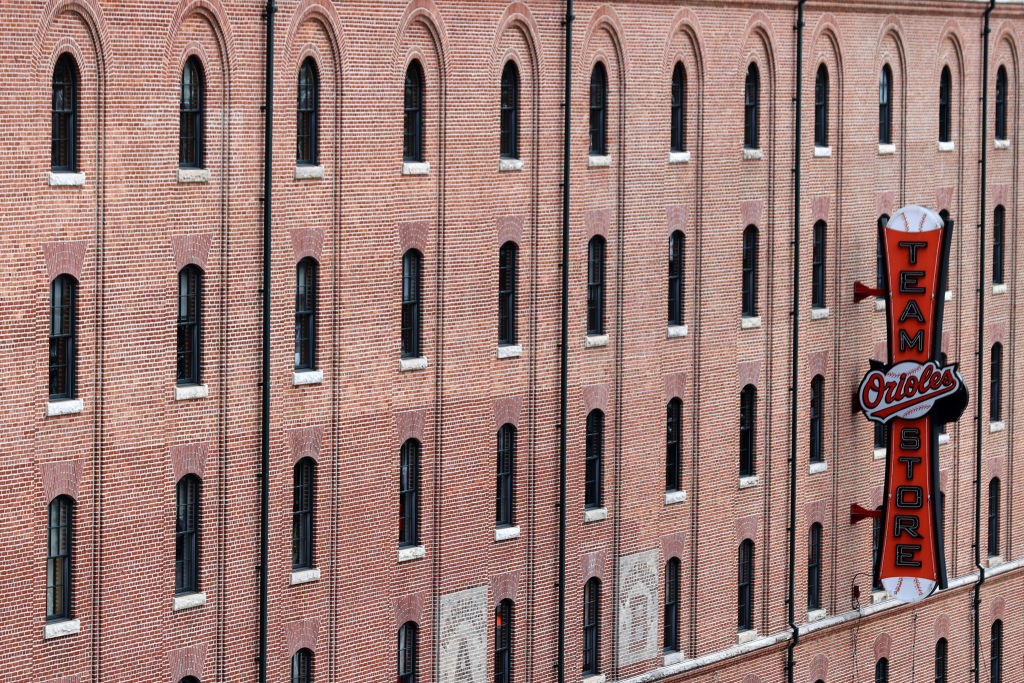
[913, 395]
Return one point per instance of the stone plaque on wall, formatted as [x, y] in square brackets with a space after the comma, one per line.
[638, 607]
[463, 642]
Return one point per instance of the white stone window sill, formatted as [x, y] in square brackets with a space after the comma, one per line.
[596, 678]
[947, 146]
[878, 454]
[509, 351]
[188, 392]
[304, 576]
[879, 303]
[999, 288]
[188, 601]
[749, 481]
[746, 636]
[67, 406]
[595, 514]
[879, 596]
[750, 322]
[415, 167]
[57, 629]
[815, 615]
[817, 467]
[949, 295]
[943, 439]
[673, 658]
[308, 172]
[1002, 144]
[510, 164]
[193, 175]
[411, 552]
[994, 561]
[599, 160]
[595, 340]
[673, 331]
[504, 533]
[673, 497]
[886, 149]
[822, 151]
[752, 154]
[996, 427]
[66, 179]
[819, 313]
[407, 364]
[678, 157]
[301, 377]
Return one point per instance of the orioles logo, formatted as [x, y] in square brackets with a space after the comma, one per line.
[907, 390]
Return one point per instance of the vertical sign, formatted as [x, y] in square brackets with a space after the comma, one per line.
[913, 395]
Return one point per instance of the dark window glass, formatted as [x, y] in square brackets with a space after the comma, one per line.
[998, 240]
[679, 108]
[591, 620]
[882, 671]
[941, 657]
[670, 640]
[407, 636]
[190, 290]
[877, 526]
[821, 107]
[412, 146]
[186, 554]
[303, 497]
[814, 568]
[880, 434]
[673, 434]
[64, 115]
[885, 106]
[942, 363]
[750, 271]
[677, 278]
[1001, 104]
[748, 408]
[993, 517]
[818, 266]
[409, 494]
[817, 419]
[305, 314]
[503, 642]
[189, 679]
[302, 666]
[593, 490]
[751, 105]
[996, 394]
[505, 502]
[193, 105]
[510, 111]
[598, 110]
[58, 559]
[996, 652]
[945, 95]
[595, 285]
[63, 336]
[508, 275]
[746, 586]
[880, 276]
[412, 264]
[307, 120]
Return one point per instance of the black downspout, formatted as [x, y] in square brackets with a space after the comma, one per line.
[563, 346]
[268, 165]
[976, 602]
[795, 367]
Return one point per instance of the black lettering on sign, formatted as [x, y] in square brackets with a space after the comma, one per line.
[910, 461]
[908, 282]
[917, 341]
[905, 554]
[912, 247]
[909, 497]
[912, 311]
[906, 524]
[910, 440]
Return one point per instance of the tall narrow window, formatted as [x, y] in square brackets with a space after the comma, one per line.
[814, 568]
[882, 671]
[676, 278]
[996, 652]
[673, 433]
[591, 621]
[880, 277]
[412, 264]
[993, 517]
[186, 554]
[945, 109]
[307, 119]
[998, 242]
[821, 107]
[817, 419]
[670, 639]
[412, 145]
[190, 286]
[58, 559]
[745, 582]
[751, 106]
[505, 500]
[64, 115]
[818, 266]
[679, 108]
[193, 104]
[305, 314]
[750, 272]
[885, 106]
[508, 275]
[302, 666]
[880, 435]
[748, 408]
[599, 110]
[407, 652]
[503, 642]
[409, 494]
[996, 394]
[877, 527]
[63, 335]
[1001, 104]
[303, 496]
[943, 360]
[593, 488]
[941, 660]
[595, 285]
[510, 111]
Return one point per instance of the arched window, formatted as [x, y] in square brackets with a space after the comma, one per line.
[186, 548]
[817, 419]
[599, 110]
[307, 120]
[996, 395]
[192, 119]
[941, 659]
[63, 337]
[877, 527]
[821, 107]
[751, 105]
[508, 276]
[409, 494]
[998, 242]
[593, 487]
[750, 272]
[64, 115]
[302, 666]
[407, 652]
[670, 640]
[412, 146]
[58, 558]
[412, 265]
[996, 652]
[305, 314]
[677, 278]
[190, 291]
[591, 624]
[503, 642]
[673, 435]
[818, 266]
[189, 679]
[510, 111]
[303, 497]
[885, 106]
[506, 462]
[993, 517]
[1001, 104]
[748, 408]
[745, 581]
[679, 108]
[595, 285]
[814, 568]
[945, 108]
[882, 671]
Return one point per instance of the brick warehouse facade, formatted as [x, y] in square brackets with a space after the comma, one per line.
[133, 219]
